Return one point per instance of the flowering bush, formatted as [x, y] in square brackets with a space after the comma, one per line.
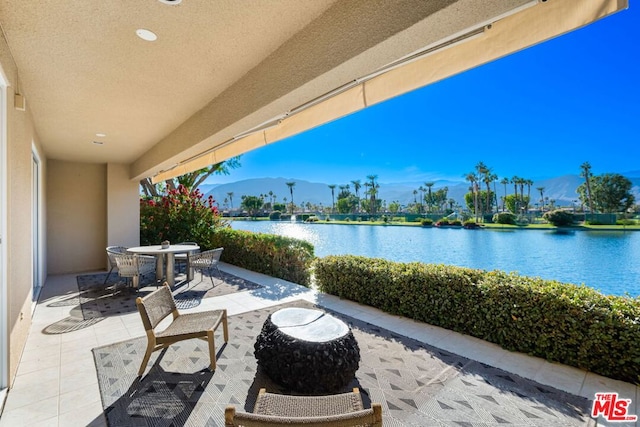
[180, 216]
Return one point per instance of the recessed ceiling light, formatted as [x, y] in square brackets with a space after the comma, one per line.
[170, 1]
[101, 135]
[147, 35]
[98, 142]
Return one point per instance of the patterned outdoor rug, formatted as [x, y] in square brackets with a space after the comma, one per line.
[98, 299]
[418, 385]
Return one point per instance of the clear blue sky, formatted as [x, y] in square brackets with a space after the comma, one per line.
[537, 113]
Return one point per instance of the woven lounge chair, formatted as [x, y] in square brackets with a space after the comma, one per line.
[339, 410]
[159, 304]
[134, 266]
[112, 251]
[207, 260]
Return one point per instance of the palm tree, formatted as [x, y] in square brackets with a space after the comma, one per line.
[528, 183]
[473, 180]
[429, 200]
[421, 189]
[541, 191]
[333, 203]
[504, 182]
[230, 195]
[585, 172]
[271, 198]
[515, 180]
[356, 188]
[372, 190]
[494, 179]
[291, 185]
[521, 182]
[415, 201]
[487, 176]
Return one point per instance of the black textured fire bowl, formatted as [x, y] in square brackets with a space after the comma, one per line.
[307, 351]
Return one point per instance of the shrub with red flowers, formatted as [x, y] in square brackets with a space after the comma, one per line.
[179, 216]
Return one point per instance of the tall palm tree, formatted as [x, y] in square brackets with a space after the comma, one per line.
[473, 180]
[504, 181]
[373, 188]
[528, 183]
[515, 180]
[488, 178]
[415, 201]
[495, 192]
[485, 175]
[356, 188]
[333, 203]
[429, 200]
[585, 172]
[541, 191]
[291, 185]
[271, 198]
[230, 195]
[421, 189]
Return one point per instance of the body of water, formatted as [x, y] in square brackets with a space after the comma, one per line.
[607, 261]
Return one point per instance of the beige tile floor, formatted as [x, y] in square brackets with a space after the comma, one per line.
[56, 383]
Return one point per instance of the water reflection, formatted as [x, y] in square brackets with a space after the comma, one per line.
[608, 261]
[562, 232]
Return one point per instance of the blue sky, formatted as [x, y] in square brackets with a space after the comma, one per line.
[538, 113]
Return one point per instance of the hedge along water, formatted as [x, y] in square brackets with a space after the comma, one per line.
[607, 261]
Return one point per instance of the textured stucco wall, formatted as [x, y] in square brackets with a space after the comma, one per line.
[18, 243]
[123, 210]
[76, 216]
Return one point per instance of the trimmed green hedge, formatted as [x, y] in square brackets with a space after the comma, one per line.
[276, 256]
[570, 324]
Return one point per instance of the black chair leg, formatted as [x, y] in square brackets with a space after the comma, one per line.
[107, 278]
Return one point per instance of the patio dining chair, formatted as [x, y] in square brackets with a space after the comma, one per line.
[339, 410]
[207, 260]
[159, 304]
[181, 258]
[111, 252]
[134, 266]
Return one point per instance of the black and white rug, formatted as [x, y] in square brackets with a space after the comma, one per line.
[418, 385]
[98, 299]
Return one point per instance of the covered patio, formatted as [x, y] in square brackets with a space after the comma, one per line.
[96, 96]
[422, 375]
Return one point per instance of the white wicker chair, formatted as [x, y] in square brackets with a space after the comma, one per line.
[111, 252]
[181, 258]
[134, 266]
[207, 260]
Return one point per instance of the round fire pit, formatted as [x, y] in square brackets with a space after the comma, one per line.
[308, 351]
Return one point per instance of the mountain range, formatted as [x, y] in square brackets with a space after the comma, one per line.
[562, 189]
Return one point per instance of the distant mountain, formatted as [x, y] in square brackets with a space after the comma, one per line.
[205, 188]
[562, 189]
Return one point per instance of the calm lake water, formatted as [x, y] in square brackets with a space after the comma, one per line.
[608, 261]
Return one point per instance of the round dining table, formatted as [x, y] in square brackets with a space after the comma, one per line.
[169, 253]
